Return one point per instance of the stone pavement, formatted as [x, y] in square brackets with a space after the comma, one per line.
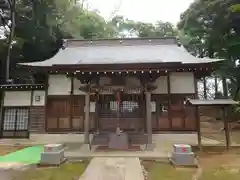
[101, 168]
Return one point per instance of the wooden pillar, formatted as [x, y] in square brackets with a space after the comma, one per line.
[46, 103]
[2, 96]
[97, 112]
[30, 111]
[199, 134]
[86, 121]
[71, 103]
[226, 127]
[148, 116]
[169, 100]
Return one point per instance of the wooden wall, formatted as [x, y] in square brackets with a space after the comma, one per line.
[169, 115]
[66, 113]
[172, 115]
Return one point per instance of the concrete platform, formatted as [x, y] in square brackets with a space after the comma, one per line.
[36, 139]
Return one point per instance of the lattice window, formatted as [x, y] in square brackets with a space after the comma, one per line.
[129, 106]
[15, 119]
[130, 109]
[9, 119]
[22, 119]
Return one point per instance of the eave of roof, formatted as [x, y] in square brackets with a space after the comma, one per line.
[12, 87]
[121, 51]
[215, 102]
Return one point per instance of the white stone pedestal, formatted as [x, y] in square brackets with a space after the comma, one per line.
[53, 154]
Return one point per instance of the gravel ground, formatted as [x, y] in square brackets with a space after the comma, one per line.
[7, 174]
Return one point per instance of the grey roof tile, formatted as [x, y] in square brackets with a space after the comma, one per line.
[122, 54]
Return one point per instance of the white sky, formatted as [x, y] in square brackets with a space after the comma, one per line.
[142, 10]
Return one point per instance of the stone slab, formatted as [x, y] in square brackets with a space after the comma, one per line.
[113, 168]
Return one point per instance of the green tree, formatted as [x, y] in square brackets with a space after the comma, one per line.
[212, 29]
[129, 28]
[41, 25]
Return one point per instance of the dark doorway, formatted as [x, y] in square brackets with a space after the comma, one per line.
[128, 113]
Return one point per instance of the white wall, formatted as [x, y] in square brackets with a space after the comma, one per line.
[17, 98]
[59, 85]
[182, 82]
[76, 85]
[161, 84]
[36, 95]
[23, 98]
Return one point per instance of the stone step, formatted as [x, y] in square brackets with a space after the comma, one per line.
[134, 138]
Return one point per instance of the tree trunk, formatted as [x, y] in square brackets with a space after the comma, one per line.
[225, 88]
[10, 38]
[205, 87]
[235, 97]
[216, 84]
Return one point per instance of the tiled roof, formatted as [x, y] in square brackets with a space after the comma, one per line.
[121, 52]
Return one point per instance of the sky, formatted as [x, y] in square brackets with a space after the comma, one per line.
[142, 10]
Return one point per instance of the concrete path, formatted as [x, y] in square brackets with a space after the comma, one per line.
[101, 168]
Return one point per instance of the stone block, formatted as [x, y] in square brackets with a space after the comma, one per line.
[183, 159]
[52, 158]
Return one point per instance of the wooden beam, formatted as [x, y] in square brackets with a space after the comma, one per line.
[199, 135]
[226, 127]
